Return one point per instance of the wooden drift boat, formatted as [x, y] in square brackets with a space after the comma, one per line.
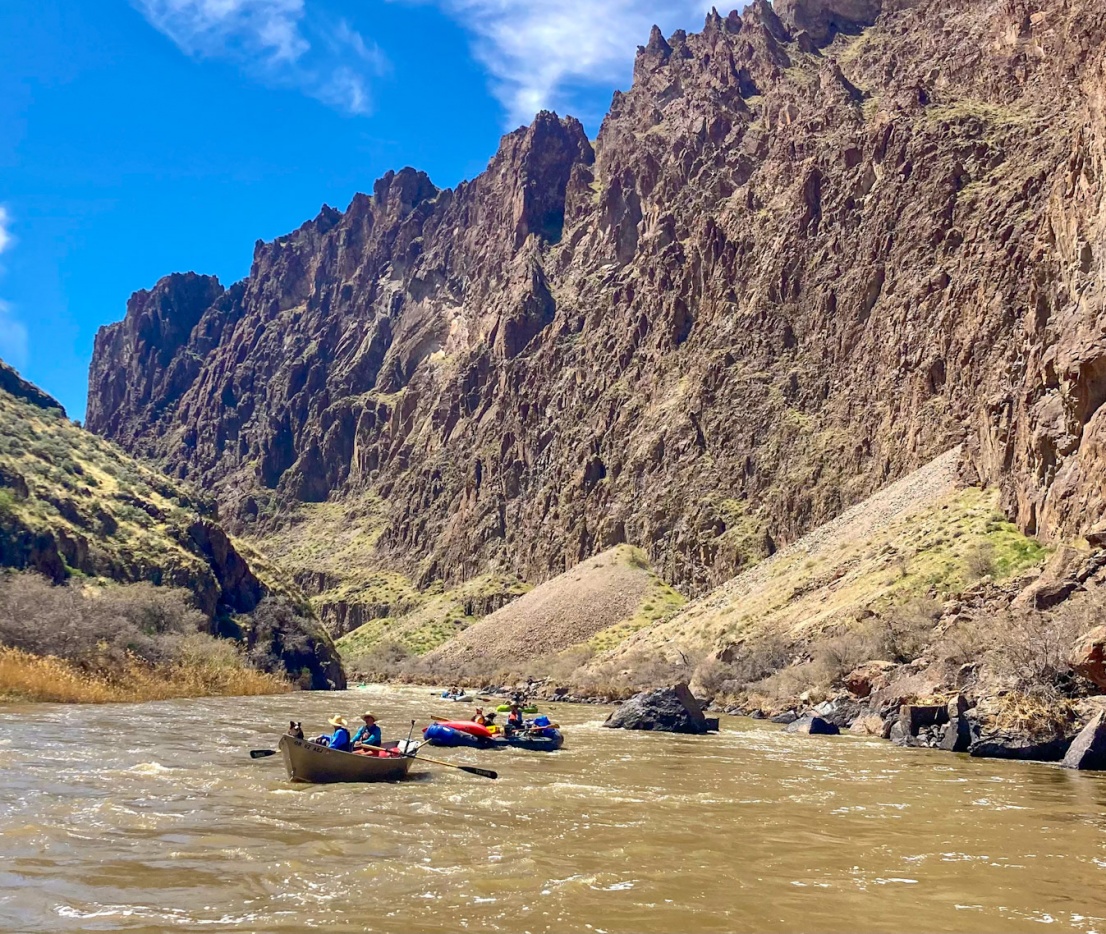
[310, 762]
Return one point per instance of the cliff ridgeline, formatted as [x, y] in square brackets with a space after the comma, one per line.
[813, 248]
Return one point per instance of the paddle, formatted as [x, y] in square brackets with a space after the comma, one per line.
[262, 753]
[471, 769]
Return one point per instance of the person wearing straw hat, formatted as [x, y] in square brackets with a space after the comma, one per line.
[369, 734]
[340, 738]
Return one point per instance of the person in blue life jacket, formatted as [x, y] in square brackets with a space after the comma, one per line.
[369, 734]
[340, 738]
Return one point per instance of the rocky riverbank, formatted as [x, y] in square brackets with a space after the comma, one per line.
[991, 727]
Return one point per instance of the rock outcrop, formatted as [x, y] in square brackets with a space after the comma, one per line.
[1089, 657]
[17, 387]
[872, 676]
[1088, 751]
[810, 249]
[822, 19]
[1020, 747]
[669, 710]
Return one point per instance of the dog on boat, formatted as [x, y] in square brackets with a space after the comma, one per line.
[295, 729]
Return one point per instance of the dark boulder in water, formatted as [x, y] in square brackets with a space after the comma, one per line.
[669, 710]
[814, 726]
[1020, 746]
[959, 735]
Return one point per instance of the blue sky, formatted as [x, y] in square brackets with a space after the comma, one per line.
[142, 137]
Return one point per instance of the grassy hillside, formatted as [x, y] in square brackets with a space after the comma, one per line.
[924, 537]
[74, 507]
[103, 514]
[869, 585]
[437, 617]
[378, 616]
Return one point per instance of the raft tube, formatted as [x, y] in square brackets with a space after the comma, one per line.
[548, 741]
[438, 734]
[467, 726]
[506, 708]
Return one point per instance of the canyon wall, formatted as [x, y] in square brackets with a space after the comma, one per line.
[811, 249]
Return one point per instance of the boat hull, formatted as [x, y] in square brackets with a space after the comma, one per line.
[309, 762]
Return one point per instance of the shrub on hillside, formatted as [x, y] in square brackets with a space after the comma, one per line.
[1027, 651]
[98, 629]
[637, 671]
[280, 638]
[382, 662]
[439, 671]
[1032, 649]
[899, 634]
[120, 642]
[980, 561]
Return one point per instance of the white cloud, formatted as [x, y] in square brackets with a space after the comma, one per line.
[538, 51]
[6, 238]
[278, 42]
[14, 344]
[13, 333]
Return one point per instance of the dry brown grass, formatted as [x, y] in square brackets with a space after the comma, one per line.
[88, 644]
[1037, 713]
[48, 679]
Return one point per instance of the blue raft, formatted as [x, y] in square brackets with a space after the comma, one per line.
[549, 740]
[439, 735]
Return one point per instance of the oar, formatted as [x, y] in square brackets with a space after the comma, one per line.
[471, 769]
[262, 753]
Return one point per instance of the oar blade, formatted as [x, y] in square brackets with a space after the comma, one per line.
[473, 770]
[262, 753]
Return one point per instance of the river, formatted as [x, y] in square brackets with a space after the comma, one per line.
[151, 817]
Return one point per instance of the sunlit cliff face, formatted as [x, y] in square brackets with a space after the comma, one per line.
[810, 249]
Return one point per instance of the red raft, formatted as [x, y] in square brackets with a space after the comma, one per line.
[467, 726]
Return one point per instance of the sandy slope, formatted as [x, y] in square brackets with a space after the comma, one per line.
[570, 609]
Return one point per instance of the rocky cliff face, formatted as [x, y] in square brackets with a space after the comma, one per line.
[811, 248]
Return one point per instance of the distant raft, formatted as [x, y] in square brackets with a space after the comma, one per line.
[548, 740]
[458, 698]
[506, 708]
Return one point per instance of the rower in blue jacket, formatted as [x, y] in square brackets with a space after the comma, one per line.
[369, 734]
[340, 739]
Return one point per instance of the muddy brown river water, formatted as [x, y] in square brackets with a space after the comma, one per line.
[152, 818]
